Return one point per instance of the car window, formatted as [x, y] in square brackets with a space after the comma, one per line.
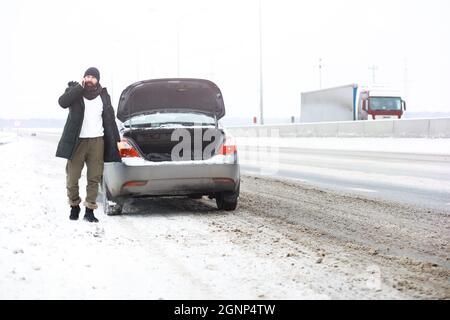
[156, 119]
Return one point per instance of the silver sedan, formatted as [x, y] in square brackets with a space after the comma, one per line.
[172, 145]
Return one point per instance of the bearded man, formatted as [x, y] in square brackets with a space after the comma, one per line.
[90, 136]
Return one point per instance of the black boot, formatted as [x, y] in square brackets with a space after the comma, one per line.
[89, 215]
[74, 212]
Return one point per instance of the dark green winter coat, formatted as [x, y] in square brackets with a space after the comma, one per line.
[73, 99]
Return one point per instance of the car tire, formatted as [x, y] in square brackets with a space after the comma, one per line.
[110, 208]
[227, 200]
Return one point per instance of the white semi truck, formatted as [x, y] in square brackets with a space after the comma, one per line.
[350, 103]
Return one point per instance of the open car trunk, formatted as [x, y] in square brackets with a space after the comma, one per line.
[155, 144]
[171, 95]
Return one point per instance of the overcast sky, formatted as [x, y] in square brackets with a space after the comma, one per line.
[45, 44]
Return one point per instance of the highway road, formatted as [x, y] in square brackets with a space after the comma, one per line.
[417, 179]
[287, 239]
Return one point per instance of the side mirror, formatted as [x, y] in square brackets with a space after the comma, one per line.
[404, 105]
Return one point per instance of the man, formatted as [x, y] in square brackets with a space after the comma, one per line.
[90, 136]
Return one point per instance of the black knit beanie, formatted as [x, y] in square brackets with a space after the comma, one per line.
[93, 72]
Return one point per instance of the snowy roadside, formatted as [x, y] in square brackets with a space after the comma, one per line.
[285, 241]
[42, 130]
[158, 253]
[7, 137]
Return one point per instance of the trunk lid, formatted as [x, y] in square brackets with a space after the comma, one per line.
[171, 95]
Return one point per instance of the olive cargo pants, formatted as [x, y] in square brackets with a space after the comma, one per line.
[89, 150]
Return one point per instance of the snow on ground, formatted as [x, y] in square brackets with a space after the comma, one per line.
[173, 255]
[7, 137]
[42, 130]
[285, 241]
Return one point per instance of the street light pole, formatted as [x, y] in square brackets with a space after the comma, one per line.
[320, 73]
[261, 96]
[373, 68]
[178, 47]
[405, 79]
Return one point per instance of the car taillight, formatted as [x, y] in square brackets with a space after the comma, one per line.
[126, 150]
[228, 147]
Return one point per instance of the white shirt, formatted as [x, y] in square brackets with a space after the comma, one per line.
[92, 123]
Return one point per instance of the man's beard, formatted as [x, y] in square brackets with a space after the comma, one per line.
[90, 86]
[91, 91]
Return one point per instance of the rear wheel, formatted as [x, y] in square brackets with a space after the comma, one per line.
[110, 208]
[227, 200]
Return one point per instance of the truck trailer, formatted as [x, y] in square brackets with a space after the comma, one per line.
[351, 103]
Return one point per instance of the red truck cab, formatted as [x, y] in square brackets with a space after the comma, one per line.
[382, 104]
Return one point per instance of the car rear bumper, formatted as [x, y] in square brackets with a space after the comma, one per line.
[139, 177]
